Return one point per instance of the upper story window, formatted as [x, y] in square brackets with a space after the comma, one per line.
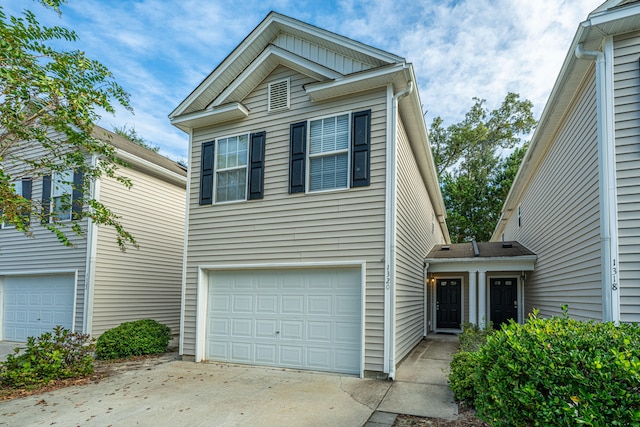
[329, 153]
[232, 168]
[61, 195]
[22, 188]
[232, 155]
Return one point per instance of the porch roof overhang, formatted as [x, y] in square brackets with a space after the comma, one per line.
[484, 256]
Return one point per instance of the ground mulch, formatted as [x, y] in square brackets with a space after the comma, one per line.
[102, 369]
[466, 418]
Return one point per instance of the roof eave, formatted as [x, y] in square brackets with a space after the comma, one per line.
[210, 116]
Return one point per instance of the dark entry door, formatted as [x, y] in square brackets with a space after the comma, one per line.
[504, 301]
[448, 303]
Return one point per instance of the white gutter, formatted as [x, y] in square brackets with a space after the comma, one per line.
[90, 264]
[131, 158]
[607, 177]
[390, 230]
[184, 249]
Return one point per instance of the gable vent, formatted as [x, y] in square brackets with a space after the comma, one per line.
[279, 95]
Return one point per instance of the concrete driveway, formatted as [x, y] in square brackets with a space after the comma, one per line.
[180, 393]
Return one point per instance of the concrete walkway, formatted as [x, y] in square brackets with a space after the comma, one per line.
[421, 385]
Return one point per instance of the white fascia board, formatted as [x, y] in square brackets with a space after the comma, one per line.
[354, 83]
[149, 166]
[451, 265]
[284, 57]
[606, 16]
[224, 113]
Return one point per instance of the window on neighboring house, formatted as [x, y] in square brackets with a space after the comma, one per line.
[232, 168]
[330, 153]
[22, 188]
[61, 195]
[519, 217]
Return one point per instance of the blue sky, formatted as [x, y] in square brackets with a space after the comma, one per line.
[160, 50]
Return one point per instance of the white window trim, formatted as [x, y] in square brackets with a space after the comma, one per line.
[52, 203]
[309, 156]
[216, 151]
[288, 106]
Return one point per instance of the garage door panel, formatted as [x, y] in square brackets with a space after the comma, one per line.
[36, 304]
[293, 315]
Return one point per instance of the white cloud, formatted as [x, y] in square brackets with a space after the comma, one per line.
[160, 50]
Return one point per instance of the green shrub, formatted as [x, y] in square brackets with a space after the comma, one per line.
[473, 336]
[145, 336]
[58, 355]
[461, 378]
[559, 372]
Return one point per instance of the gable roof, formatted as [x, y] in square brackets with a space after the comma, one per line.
[279, 29]
[611, 18]
[139, 157]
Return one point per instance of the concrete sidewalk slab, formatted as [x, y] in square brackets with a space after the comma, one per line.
[423, 400]
[187, 393]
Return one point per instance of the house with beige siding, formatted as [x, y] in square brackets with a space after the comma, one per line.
[93, 286]
[313, 199]
[576, 199]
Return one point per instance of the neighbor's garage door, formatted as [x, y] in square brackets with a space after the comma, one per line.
[35, 304]
[304, 319]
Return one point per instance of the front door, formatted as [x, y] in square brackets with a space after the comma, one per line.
[504, 301]
[448, 303]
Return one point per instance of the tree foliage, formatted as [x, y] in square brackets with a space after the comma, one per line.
[132, 135]
[50, 100]
[474, 175]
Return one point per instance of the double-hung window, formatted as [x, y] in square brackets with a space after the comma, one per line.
[232, 168]
[329, 153]
[232, 155]
[61, 195]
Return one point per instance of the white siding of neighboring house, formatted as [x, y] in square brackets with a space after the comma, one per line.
[415, 239]
[560, 217]
[145, 282]
[627, 116]
[43, 252]
[345, 225]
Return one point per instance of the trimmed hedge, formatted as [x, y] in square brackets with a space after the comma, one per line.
[137, 338]
[554, 372]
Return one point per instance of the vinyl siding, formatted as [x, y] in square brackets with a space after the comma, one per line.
[145, 282]
[560, 217]
[43, 251]
[414, 239]
[627, 114]
[293, 228]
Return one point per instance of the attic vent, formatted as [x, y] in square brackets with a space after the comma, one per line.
[507, 245]
[445, 248]
[279, 95]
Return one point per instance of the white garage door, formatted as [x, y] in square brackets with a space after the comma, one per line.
[304, 319]
[36, 304]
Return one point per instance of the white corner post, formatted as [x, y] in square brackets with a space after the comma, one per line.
[473, 299]
[482, 299]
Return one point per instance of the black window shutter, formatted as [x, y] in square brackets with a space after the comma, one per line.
[360, 148]
[298, 142]
[46, 198]
[256, 165]
[77, 201]
[206, 173]
[26, 193]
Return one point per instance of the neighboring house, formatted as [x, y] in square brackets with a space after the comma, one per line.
[576, 199]
[94, 286]
[313, 200]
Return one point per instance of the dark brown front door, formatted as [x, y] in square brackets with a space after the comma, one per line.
[504, 301]
[448, 303]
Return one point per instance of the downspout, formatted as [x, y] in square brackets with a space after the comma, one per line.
[90, 265]
[606, 177]
[390, 234]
